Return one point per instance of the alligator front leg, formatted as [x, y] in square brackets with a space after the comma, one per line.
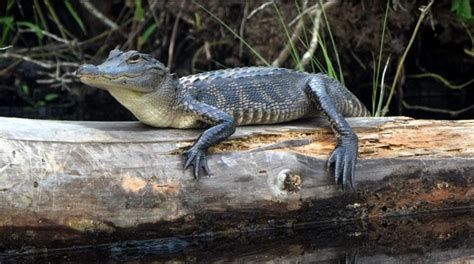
[222, 126]
[344, 156]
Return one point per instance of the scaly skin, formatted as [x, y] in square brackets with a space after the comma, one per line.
[221, 100]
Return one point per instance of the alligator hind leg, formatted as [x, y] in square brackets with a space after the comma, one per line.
[344, 156]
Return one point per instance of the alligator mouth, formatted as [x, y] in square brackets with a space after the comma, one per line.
[106, 77]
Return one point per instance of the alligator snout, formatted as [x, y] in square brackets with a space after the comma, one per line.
[86, 70]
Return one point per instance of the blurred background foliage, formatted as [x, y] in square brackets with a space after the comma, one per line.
[42, 42]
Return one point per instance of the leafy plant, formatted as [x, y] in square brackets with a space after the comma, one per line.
[139, 14]
[462, 9]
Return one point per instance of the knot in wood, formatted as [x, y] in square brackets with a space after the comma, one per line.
[291, 181]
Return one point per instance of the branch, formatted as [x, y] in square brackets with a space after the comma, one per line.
[283, 56]
[313, 45]
[442, 79]
[173, 35]
[26, 58]
[452, 113]
[258, 9]
[102, 18]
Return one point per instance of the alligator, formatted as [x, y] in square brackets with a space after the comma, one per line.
[223, 99]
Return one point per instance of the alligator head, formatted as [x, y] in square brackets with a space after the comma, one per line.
[139, 82]
[129, 70]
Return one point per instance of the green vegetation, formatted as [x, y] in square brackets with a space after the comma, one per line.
[329, 65]
[255, 52]
[462, 9]
[376, 86]
[54, 42]
[424, 11]
[380, 104]
[75, 15]
[36, 100]
[293, 51]
[7, 23]
[139, 14]
[332, 72]
[147, 33]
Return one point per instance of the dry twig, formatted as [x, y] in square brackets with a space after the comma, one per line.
[26, 58]
[312, 11]
[242, 28]
[102, 18]
[258, 9]
[296, 35]
[308, 55]
[452, 113]
[173, 35]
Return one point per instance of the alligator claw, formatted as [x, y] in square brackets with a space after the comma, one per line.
[197, 158]
[344, 158]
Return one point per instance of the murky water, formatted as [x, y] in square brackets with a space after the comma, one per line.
[441, 238]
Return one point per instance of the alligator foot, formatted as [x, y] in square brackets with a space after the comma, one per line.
[197, 158]
[344, 158]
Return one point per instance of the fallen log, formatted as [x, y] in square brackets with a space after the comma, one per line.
[82, 183]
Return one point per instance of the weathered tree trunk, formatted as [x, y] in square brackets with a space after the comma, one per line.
[92, 182]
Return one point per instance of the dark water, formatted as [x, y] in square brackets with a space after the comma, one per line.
[441, 238]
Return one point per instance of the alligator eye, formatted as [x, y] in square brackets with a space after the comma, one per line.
[134, 59]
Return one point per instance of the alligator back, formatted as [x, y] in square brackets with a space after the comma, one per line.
[253, 95]
[256, 95]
